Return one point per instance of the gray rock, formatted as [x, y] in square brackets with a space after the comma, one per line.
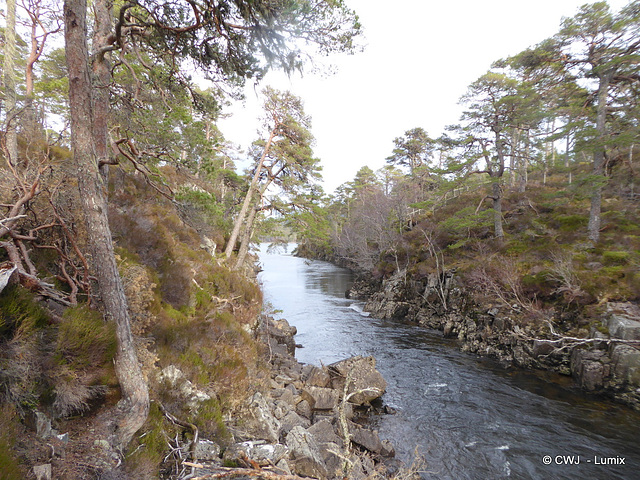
[317, 377]
[305, 453]
[366, 384]
[207, 450]
[623, 321]
[388, 449]
[626, 364]
[589, 368]
[292, 419]
[366, 438]
[260, 453]
[260, 423]
[283, 465]
[43, 425]
[179, 386]
[281, 409]
[324, 432]
[304, 409]
[321, 398]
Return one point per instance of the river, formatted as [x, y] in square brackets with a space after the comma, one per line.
[467, 416]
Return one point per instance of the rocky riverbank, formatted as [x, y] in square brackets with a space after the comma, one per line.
[603, 357]
[307, 422]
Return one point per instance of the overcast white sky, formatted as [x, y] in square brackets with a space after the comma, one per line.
[420, 56]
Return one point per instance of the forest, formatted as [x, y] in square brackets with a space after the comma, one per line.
[127, 229]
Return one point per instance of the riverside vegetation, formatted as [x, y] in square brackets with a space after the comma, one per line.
[133, 338]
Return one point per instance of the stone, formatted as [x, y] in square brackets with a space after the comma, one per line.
[304, 409]
[209, 246]
[281, 409]
[324, 432]
[43, 425]
[305, 453]
[182, 387]
[366, 383]
[283, 465]
[623, 321]
[321, 398]
[292, 419]
[332, 460]
[207, 450]
[317, 377]
[367, 439]
[288, 396]
[589, 369]
[261, 423]
[42, 472]
[260, 453]
[388, 450]
[626, 364]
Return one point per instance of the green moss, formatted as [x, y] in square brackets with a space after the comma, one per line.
[601, 328]
[515, 246]
[616, 258]
[85, 339]
[570, 223]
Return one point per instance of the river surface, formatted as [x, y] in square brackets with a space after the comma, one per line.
[467, 416]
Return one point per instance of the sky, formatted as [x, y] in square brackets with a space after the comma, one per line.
[419, 58]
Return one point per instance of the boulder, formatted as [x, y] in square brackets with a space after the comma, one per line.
[305, 453]
[623, 321]
[590, 368]
[303, 408]
[316, 377]
[366, 383]
[321, 398]
[324, 432]
[260, 423]
[367, 439]
[626, 364]
[330, 446]
[292, 419]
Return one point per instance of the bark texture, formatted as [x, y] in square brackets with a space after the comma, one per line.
[134, 404]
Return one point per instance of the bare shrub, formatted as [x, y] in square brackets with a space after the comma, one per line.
[500, 278]
[562, 272]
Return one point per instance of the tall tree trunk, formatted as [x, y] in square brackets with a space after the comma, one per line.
[9, 74]
[496, 191]
[134, 404]
[101, 80]
[497, 173]
[593, 229]
[524, 163]
[231, 244]
[566, 157]
[29, 117]
[246, 236]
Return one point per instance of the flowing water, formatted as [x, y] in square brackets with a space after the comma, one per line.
[468, 417]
